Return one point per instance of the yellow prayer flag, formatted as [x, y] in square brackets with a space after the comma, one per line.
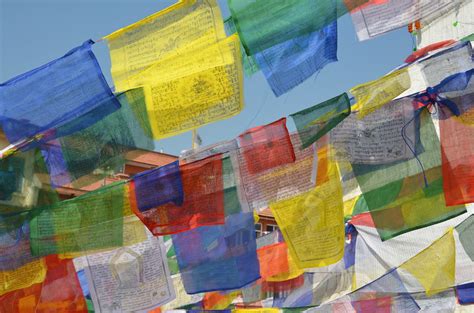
[313, 223]
[435, 266]
[185, 26]
[23, 277]
[373, 95]
[178, 102]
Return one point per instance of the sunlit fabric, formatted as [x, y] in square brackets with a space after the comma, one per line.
[284, 181]
[268, 146]
[59, 292]
[23, 276]
[466, 233]
[456, 136]
[263, 24]
[81, 157]
[203, 203]
[372, 95]
[193, 89]
[249, 64]
[89, 222]
[379, 18]
[290, 63]
[159, 186]
[314, 122]
[40, 101]
[465, 294]
[183, 27]
[218, 257]
[313, 223]
[405, 192]
[435, 266]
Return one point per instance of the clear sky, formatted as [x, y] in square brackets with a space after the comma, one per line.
[33, 32]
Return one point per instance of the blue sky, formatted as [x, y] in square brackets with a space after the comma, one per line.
[33, 32]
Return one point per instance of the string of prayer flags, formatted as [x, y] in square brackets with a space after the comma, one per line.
[193, 89]
[59, 292]
[372, 95]
[290, 63]
[466, 231]
[262, 24]
[131, 278]
[376, 19]
[435, 266]
[36, 103]
[159, 186]
[456, 133]
[218, 301]
[203, 202]
[273, 259]
[89, 222]
[220, 257]
[268, 146]
[183, 27]
[314, 122]
[313, 223]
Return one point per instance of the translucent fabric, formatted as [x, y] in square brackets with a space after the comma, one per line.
[386, 294]
[266, 147]
[435, 266]
[59, 292]
[465, 294]
[290, 63]
[425, 50]
[31, 191]
[131, 278]
[284, 181]
[159, 186]
[273, 260]
[372, 95]
[466, 233]
[100, 147]
[262, 24]
[183, 27]
[313, 223]
[194, 89]
[376, 138]
[36, 103]
[89, 222]
[218, 301]
[23, 276]
[218, 257]
[248, 61]
[456, 136]
[204, 200]
[15, 249]
[314, 122]
[377, 19]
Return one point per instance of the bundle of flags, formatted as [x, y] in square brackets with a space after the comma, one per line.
[371, 194]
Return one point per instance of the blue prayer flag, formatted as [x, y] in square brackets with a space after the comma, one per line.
[159, 186]
[39, 101]
[290, 63]
[221, 257]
